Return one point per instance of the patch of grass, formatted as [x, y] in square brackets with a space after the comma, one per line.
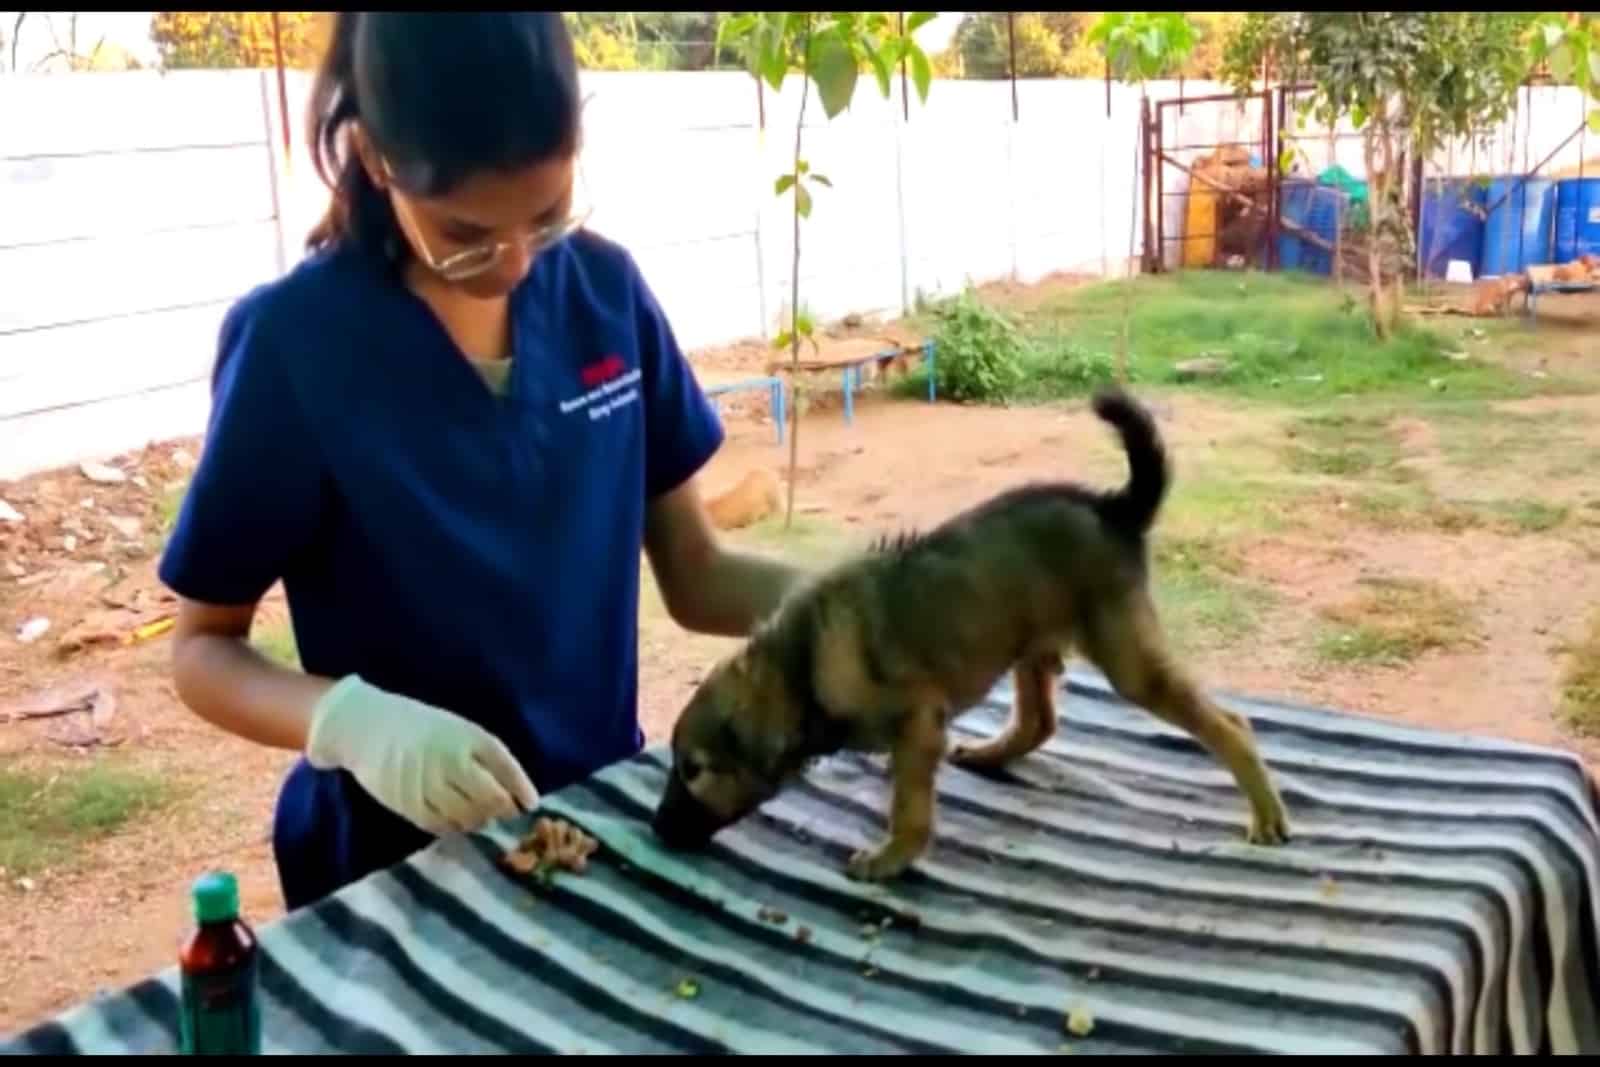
[1395, 620]
[46, 818]
[1203, 599]
[1417, 508]
[1573, 460]
[1580, 682]
[1279, 334]
[1414, 508]
[275, 640]
[1477, 437]
[1232, 502]
[1529, 516]
[1343, 445]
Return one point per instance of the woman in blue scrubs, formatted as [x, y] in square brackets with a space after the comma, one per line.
[449, 431]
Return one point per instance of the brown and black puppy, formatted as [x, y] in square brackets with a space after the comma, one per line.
[880, 653]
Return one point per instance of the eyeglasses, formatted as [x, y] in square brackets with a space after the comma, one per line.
[470, 262]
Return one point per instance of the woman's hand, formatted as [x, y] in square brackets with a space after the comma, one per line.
[428, 765]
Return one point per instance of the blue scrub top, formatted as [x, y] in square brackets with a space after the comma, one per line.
[475, 552]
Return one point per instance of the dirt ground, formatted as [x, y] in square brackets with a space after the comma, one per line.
[1268, 547]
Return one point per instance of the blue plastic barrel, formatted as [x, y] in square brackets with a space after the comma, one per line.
[1449, 227]
[1520, 232]
[1315, 208]
[1577, 218]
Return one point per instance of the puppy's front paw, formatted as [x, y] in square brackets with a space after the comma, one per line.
[878, 864]
[1269, 824]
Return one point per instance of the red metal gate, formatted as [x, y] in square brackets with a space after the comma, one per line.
[1242, 174]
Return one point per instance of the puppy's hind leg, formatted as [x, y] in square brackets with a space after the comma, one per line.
[1125, 641]
[1032, 721]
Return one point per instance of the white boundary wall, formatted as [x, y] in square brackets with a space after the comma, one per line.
[134, 207]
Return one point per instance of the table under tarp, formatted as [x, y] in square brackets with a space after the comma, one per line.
[1439, 896]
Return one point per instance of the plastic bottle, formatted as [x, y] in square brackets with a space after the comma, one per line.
[218, 967]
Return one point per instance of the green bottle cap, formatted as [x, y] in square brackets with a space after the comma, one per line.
[216, 897]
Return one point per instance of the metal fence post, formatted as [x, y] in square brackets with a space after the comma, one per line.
[759, 185]
[900, 128]
[280, 248]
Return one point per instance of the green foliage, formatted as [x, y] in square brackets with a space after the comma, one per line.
[1258, 35]
[1140, 45]
[980, 351]
[1056, 44]
[1411, 81]
[1567, 44]
[981, 47]
[1144, 45]
[1436, 75]
[1060, 366]
[828, 48]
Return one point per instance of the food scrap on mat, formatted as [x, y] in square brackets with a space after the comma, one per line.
[552, 844]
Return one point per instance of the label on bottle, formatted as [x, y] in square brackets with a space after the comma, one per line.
[221, 1013]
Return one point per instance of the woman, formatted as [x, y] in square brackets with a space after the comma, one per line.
[449, 432]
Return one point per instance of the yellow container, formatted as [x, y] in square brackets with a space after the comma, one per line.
[1200, 227]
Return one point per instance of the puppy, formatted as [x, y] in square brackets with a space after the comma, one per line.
[879, 653]
[1492, 296]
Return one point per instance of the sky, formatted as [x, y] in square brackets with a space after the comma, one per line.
[131, 30]
[935, 36]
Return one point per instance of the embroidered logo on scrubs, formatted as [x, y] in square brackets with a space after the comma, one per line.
[608, 385]
[601, 371]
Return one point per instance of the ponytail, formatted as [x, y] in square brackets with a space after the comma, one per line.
[358, 211]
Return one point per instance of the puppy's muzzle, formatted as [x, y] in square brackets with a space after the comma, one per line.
[681, 821]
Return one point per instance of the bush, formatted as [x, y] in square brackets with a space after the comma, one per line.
[1060, 368]
[980, 352]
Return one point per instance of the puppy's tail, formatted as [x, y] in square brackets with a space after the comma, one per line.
[1132, 509]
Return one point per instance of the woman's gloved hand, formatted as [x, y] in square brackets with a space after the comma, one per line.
[430, 766]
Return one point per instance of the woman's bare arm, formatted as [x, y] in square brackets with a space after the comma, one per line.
[231, 685]
[707, 587]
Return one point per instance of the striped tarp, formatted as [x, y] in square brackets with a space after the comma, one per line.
[1439, 897]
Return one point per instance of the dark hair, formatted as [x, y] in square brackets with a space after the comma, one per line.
[442, 96]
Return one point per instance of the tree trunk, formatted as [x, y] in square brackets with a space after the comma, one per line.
[1394, 186]
[1139, 161]
[1376, 199]
[795, 389]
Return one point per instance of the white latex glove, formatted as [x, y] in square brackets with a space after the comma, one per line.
[428, 765]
